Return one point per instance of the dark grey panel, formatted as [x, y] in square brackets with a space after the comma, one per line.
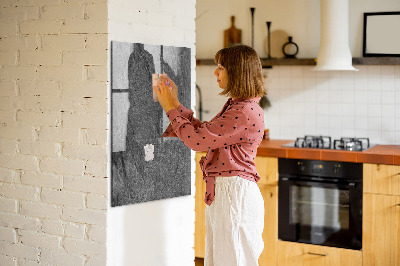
[146, 167]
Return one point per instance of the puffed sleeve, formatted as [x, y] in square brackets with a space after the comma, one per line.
[224, 130]
[188, 114]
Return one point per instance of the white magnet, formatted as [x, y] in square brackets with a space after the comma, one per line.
[148, 152]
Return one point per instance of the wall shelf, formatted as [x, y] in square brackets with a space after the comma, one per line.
[312, 61]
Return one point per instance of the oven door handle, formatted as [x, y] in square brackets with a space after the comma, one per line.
[330, 184]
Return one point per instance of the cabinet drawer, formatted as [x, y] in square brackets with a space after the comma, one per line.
[381, 179]
[293, 254]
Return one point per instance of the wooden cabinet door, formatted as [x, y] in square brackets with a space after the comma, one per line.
[267, 168]
[381, 230]
[298, 254]
[381, 179]
[200, 207]
[270, 233]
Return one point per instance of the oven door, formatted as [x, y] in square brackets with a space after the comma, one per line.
[321, 212]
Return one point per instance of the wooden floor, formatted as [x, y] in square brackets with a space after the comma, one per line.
[199, 262]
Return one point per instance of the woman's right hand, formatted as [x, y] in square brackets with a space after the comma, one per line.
[174, 90]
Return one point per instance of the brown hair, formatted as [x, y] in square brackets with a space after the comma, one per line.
[245, 78]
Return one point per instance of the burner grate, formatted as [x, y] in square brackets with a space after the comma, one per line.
[351, 144]
[324, 142]
[320, 142]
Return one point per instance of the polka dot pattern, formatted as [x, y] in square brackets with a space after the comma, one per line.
[231, 139]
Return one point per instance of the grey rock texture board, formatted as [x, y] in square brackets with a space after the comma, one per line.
[145, 166]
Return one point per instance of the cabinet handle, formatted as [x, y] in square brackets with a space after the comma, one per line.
[398, 204]
[318, 254]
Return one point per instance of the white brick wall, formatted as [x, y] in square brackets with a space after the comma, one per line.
[53, 132]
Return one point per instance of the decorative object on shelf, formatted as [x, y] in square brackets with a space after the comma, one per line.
[334, 51]
[252, 9]
[269, 38]
[232, 35]
[277, 39]
[378, 39]
[264, 103]
[290, 49]
[266, 134]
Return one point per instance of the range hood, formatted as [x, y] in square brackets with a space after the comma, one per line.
[334, 51]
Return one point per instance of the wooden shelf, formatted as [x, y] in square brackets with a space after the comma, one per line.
[288, 62]
[312, 61]
[376, 61]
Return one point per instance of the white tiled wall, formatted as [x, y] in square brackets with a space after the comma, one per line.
[337, 104]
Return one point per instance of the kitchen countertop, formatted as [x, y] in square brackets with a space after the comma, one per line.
[379, 154]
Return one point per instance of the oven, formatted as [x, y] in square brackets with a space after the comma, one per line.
[320, 202]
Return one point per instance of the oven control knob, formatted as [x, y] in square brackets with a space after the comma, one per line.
[336, 169]
[302, 167]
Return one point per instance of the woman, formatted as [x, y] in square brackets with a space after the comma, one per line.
[235, 207]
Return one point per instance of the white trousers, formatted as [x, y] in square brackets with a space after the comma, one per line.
[234, 223]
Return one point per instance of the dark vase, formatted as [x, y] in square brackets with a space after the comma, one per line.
[290, 49]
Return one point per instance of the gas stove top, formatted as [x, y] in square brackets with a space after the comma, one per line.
[325, 142]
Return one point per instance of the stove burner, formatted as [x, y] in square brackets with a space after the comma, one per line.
[351, 144]
[324, 142]
[308, 141]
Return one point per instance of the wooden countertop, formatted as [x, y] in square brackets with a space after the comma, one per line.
[379, 154]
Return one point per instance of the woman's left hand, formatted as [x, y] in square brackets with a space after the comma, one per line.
[164, 95]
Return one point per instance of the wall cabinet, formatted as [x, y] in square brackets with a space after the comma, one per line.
[290, 253]
[381, 215]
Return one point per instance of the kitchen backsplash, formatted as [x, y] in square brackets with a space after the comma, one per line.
[365, 103]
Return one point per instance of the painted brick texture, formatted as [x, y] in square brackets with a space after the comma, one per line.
[53, 132]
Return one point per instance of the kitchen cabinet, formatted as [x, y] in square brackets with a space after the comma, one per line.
[291, 253]
[381, 221]
[200, 207]
[381, 179]
[381, 215]
[267, 168]
[270, 233]
[381, 230]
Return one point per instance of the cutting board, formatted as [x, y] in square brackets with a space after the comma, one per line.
[232, 35]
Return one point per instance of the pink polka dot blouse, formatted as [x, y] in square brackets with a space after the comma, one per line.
[231, 139]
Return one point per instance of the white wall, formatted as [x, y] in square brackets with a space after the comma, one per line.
[338, 104]
[159, 232]
[299, 18]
